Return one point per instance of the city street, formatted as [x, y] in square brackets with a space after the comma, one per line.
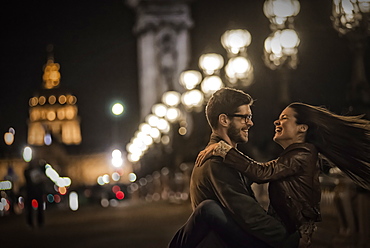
[131, 225]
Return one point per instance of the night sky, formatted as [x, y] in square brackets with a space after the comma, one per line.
[96, 49]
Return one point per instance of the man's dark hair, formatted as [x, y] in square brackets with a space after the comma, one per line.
[225, 101]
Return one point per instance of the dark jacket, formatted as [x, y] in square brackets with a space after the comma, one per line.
[294, 187]
[214, 180]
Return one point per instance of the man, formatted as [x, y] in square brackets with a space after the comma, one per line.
[229, 114]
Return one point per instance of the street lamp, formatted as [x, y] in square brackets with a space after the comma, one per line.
[117, 160]
[9, 139]
[117, 109]
[239, 68]
[281, 12]
[211, 84]
[171, 98]
[190, 79]
[281, 47]
[211, 63]
[236, 41]
[351, 19]
[27, 154]
[193, 100]
[9, 136]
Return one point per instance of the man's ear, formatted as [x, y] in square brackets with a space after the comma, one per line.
[303, 128]
[223, 120]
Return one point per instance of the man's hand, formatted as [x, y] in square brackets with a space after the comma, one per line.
[205, 154]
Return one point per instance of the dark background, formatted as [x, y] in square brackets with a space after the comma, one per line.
[96, 48]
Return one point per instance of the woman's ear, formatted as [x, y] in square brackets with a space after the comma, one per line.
[223, 120]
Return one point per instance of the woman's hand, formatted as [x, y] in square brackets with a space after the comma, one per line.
[304, 241]
[205, 154]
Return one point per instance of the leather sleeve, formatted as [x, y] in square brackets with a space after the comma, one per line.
[286, 165]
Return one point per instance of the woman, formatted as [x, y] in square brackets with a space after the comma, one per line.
[294, 190]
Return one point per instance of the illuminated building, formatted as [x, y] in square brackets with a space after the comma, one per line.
[53, 111]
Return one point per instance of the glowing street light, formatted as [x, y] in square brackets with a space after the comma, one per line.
[171, 98]
[211, 63]
[117, 160]
[117, 109]
[27, 154]
[9, 136]
[236, 40]
[190, 79]
[279, 11]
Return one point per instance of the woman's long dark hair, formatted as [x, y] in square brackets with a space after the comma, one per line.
[344, 140]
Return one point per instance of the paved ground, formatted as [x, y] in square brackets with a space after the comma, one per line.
[131, 225]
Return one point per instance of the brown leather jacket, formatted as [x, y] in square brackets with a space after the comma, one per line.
[294, 187]
[213, 179]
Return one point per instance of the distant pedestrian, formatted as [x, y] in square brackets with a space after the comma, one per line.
[35, 192]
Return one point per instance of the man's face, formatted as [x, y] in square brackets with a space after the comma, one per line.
[239, 126]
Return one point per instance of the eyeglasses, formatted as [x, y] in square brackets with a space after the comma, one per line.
[245, 117]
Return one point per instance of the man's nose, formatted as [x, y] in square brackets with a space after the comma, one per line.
[276, 123]
[250, 123]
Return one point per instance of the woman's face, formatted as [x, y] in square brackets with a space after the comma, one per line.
[287, 131]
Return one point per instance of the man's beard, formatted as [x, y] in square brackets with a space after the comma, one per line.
[234, 134]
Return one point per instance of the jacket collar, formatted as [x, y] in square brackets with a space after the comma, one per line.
[214, 139]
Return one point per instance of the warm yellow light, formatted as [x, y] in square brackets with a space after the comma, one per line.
[282, 42]
[240, 65]
[34, 114]
[27, 154]
[190, 79]
[42, 100]
[117, 109]
[61, 114]
[145, 128]
[211, 84]
[279, 10]
[51, 76]
[165, 140]
[33, 101]
[236, 40]
[211, 62]
[52, 99]
[152, 120]
[163, 125]
[71, 99]
[62, 99]
[147, 140]
[155, 133]
[133, 158]
[289, 38]
[51, 115]
[239, 68]
[117, 160]
[171, 98]
[70, 113]
[159, 109]
[8, 138]
[182, 130]
[173, 114]
[192, 98]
